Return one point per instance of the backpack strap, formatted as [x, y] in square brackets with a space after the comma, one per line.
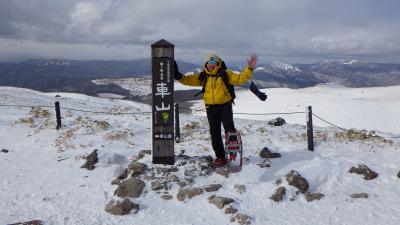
[224, 76]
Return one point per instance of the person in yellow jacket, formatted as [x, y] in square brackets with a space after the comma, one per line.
[218, 97]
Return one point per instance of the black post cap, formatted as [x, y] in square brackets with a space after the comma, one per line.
[162, 43]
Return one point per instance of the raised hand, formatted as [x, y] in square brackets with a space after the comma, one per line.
[251, 63]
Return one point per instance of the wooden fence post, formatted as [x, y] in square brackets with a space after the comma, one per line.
[58, 112]
[177, 128]
[310, 135]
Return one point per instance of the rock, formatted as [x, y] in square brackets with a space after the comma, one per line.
[116, 181]
[173, 178]
[155, 185]
[182, 184]
[240, 188]
[204, 163]
[212, 187]
[149, 177]
[364, 170]
[123, 175]
[138, 157]
[398, 174]
[145, 152]
[265, 153]
[242, 219]
[313, 196]
[295, 179]
[136, 168]
[102, 124]
[188, 193]
[189, 180]
[166, 170]
[278, 182]
[190, 171]
[167, 197]
[131, 187]
[277, 122]
[220, 202]
[4, 150]
[230, 210]
[91, 159]
[33, 222]
[279, 194]
[359, 195]
[264, 163]
[222, 171]
[117, 207]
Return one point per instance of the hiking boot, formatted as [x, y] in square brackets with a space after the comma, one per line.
[218, 162]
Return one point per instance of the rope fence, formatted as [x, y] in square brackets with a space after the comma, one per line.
[77, 110]
[185, 108]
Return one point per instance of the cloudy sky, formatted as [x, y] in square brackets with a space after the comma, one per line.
[276, 30]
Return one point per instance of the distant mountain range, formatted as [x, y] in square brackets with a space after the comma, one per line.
[347, 73]
[77, 76]
[74, 75]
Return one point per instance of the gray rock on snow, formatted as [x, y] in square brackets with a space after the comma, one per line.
[241, 218]
[240, 188]
[313, 196]
[188, 193]
[279, 194]
[91, 160]
[212, 187]
[277, 122]
[296, 180]
[398, 174]
[265, 153]
[156, 185]
[219, 201]
[167, 197]
[230, 210]
[264, 164]
[116, 181]
[117, 207]
[364, 170]
[123, 175]
[4, 150]
[359, 195]
[173, 178]
[136, 168]
[131, 187]
[222, 171]
[32, 222]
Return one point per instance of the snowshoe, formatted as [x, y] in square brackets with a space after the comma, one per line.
[233, 151]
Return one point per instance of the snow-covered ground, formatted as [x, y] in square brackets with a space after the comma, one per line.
[41, 176]
[375, 108]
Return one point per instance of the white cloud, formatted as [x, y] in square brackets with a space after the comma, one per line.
[228, 27]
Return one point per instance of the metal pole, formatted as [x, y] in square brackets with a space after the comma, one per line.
[310, 135]
[177, 128]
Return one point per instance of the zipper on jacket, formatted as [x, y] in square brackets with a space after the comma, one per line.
[212, 88]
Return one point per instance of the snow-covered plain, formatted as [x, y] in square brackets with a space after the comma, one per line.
[41, 176]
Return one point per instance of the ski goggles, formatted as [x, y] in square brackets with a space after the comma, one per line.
[213, 61]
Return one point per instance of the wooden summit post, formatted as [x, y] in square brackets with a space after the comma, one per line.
[162, 58]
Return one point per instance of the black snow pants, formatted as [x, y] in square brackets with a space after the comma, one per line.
[216, 115]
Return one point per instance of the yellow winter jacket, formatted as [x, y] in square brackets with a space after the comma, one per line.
[216, 91]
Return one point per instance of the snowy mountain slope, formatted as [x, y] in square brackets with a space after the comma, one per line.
[42, 179]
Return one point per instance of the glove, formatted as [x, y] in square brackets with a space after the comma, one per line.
[177, 74]
[261, 95]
